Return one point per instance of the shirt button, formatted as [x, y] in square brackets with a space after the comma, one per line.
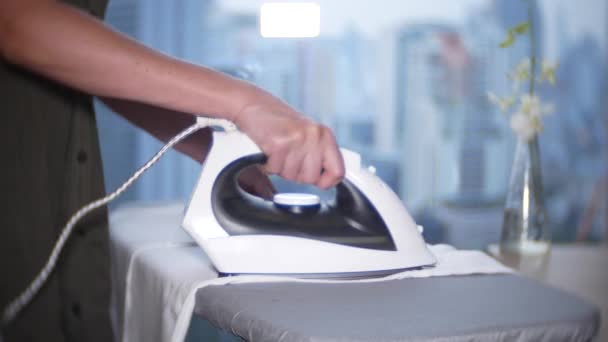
[81, 157]
[76, 309]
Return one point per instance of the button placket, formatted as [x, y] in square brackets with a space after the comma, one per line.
[76, 309]
[82, 157]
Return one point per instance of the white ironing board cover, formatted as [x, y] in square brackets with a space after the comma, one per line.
[157, 269]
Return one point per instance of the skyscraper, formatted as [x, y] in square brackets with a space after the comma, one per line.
[425, 100]
[173, 28]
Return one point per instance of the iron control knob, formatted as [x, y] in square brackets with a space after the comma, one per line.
[297, 203]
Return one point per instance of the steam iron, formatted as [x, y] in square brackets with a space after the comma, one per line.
[364, 231]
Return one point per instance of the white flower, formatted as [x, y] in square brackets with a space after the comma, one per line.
[547, 71]
[503, 103]
[532, 106]
[527, 121]
[521, 73]
[522, 126]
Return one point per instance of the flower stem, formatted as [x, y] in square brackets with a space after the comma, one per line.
[533, 144]
[537, 179]
[532, 32]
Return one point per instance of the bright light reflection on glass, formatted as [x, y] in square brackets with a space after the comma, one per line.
[290, 20]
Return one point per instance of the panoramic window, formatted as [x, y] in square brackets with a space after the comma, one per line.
[415, 87]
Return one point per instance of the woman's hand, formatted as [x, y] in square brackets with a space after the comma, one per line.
[297, 148]
[255, 181]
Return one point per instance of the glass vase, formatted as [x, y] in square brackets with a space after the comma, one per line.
[525, 239]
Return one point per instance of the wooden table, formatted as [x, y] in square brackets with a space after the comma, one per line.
[581, 269]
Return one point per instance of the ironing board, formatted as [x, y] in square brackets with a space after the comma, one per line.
[457, 308]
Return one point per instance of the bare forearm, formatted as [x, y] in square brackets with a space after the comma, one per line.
[164, 125]
[71, 47]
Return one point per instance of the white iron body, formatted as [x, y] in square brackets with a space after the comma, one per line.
[275, 254]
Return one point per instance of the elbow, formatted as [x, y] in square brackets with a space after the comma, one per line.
[9, 40]
[14, 36]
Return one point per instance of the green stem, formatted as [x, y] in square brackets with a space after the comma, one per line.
[532, 32]
[535, 168]
[533, 145]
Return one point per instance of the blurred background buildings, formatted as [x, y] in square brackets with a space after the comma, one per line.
[409, 94]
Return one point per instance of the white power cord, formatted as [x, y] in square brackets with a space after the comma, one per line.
[16, 305]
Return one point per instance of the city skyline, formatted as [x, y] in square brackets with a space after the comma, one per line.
[433, 140]
[590, 16]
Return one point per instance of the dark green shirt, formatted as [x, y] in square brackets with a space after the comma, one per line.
[51, 167]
